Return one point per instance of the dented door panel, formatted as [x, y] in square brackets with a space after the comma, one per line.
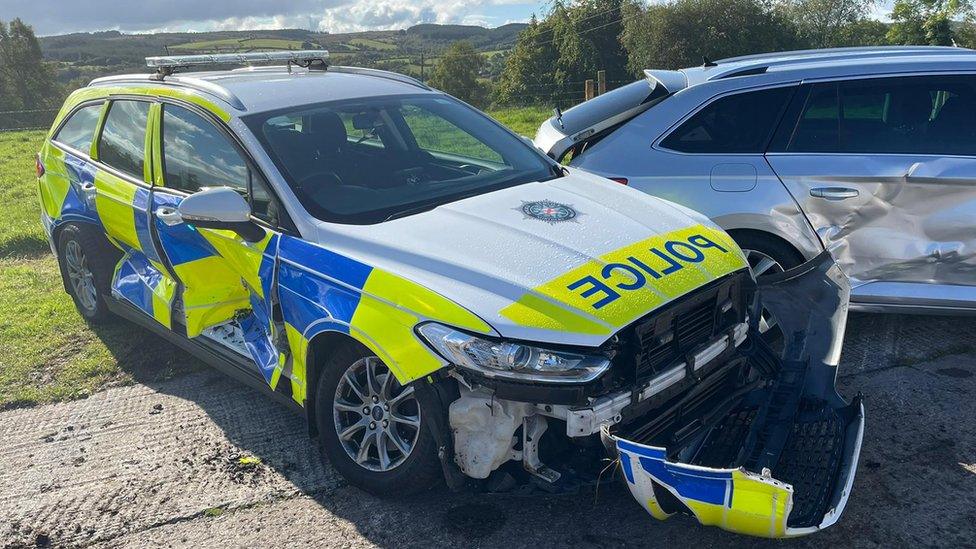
[909, 219]
[781, 463]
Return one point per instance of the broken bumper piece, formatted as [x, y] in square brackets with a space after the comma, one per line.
[737, 500]
[781, 462]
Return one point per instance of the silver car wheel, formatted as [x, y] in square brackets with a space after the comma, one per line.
[376, 418]
[762, 265]
[80, 276]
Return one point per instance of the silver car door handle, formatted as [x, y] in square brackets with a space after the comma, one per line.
[88, 187]
[834, 193]
[169, 216]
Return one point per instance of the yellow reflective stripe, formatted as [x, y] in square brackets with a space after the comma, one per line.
[54, 185]
[162, 296]
[153, 161]
[206, 302]
[389, 309]
[392, 331]
[99, 92]
[299, 349]
[243, 258]
[532, 310]
[93, 148]
[570, 288]
[113, 202]
[411, 296]
[759, 506]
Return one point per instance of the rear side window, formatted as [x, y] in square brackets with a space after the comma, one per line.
[196, 154]
[740, 123]
[79, 130]
[123, 141]
[904, 115]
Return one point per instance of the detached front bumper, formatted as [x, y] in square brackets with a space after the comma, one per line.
[734, 499]
[780, 460]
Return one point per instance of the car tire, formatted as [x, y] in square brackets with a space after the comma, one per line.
[412, 472]
[86, 261]
[763, 246]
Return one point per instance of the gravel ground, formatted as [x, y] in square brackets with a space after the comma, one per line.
[203, 461]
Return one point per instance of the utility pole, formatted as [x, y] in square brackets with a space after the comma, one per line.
[422, 60]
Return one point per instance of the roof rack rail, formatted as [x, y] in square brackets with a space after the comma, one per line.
[167, 65]
[380, 74]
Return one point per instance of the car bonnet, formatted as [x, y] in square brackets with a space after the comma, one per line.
[568, 261]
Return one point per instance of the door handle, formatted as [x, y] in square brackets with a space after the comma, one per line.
[88, 187]
[169, 216]
[834, 193]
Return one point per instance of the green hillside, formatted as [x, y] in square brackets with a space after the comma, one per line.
[83, 56]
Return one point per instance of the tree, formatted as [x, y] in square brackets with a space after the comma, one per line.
[926, 21]
[457, 73]
[26, 81]
[553, 57]
[822, 23]
[684, 32]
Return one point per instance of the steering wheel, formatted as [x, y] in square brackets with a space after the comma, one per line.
[326, 177]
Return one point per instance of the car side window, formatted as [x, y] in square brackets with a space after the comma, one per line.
[79, 130]
[740, 123]
[196, 155]
[123, 140]
[903, 115]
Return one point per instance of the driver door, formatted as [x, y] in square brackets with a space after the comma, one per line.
[225, 284]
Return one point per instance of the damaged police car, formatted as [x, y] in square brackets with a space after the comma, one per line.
[441, 300]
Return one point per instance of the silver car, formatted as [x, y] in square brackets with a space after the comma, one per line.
[867, 152]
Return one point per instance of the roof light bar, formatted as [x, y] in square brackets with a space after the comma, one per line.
[303, 58]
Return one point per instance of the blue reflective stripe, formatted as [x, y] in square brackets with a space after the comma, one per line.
[335, 266]
[702, 486]
[327, 297]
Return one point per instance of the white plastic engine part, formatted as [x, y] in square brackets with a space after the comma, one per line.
[484, 429]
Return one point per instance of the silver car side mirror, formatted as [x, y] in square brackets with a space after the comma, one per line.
[214, 208]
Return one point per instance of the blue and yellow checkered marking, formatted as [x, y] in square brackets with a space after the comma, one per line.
[731, 499]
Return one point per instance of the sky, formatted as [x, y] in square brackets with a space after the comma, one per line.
[65, 16]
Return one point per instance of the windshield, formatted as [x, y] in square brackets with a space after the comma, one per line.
[369, 160]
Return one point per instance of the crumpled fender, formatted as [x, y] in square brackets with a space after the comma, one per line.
[810, 303]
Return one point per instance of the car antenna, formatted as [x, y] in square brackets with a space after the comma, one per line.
[558, 113]
[706, 62]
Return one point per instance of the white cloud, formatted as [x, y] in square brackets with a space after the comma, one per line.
[60, 16]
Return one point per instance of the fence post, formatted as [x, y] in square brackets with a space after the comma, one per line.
[588, 90]
[601, 78]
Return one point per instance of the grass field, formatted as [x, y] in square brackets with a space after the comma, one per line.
[369, 43]
[49, 352]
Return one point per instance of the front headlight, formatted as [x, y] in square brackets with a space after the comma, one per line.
[503, 359]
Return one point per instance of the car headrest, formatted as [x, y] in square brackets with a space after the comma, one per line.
[329, 131]
[910, 108]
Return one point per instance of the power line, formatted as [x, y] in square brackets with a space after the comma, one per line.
[581, 33]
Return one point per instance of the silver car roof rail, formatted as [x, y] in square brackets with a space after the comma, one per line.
[198, 84]
[758, 64]
[378, 73]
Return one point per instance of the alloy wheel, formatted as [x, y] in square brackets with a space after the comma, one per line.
[80, 276]
[376, 418]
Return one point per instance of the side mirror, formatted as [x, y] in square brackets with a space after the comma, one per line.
[215, 208]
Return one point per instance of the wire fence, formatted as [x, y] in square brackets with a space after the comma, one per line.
[28, 119]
